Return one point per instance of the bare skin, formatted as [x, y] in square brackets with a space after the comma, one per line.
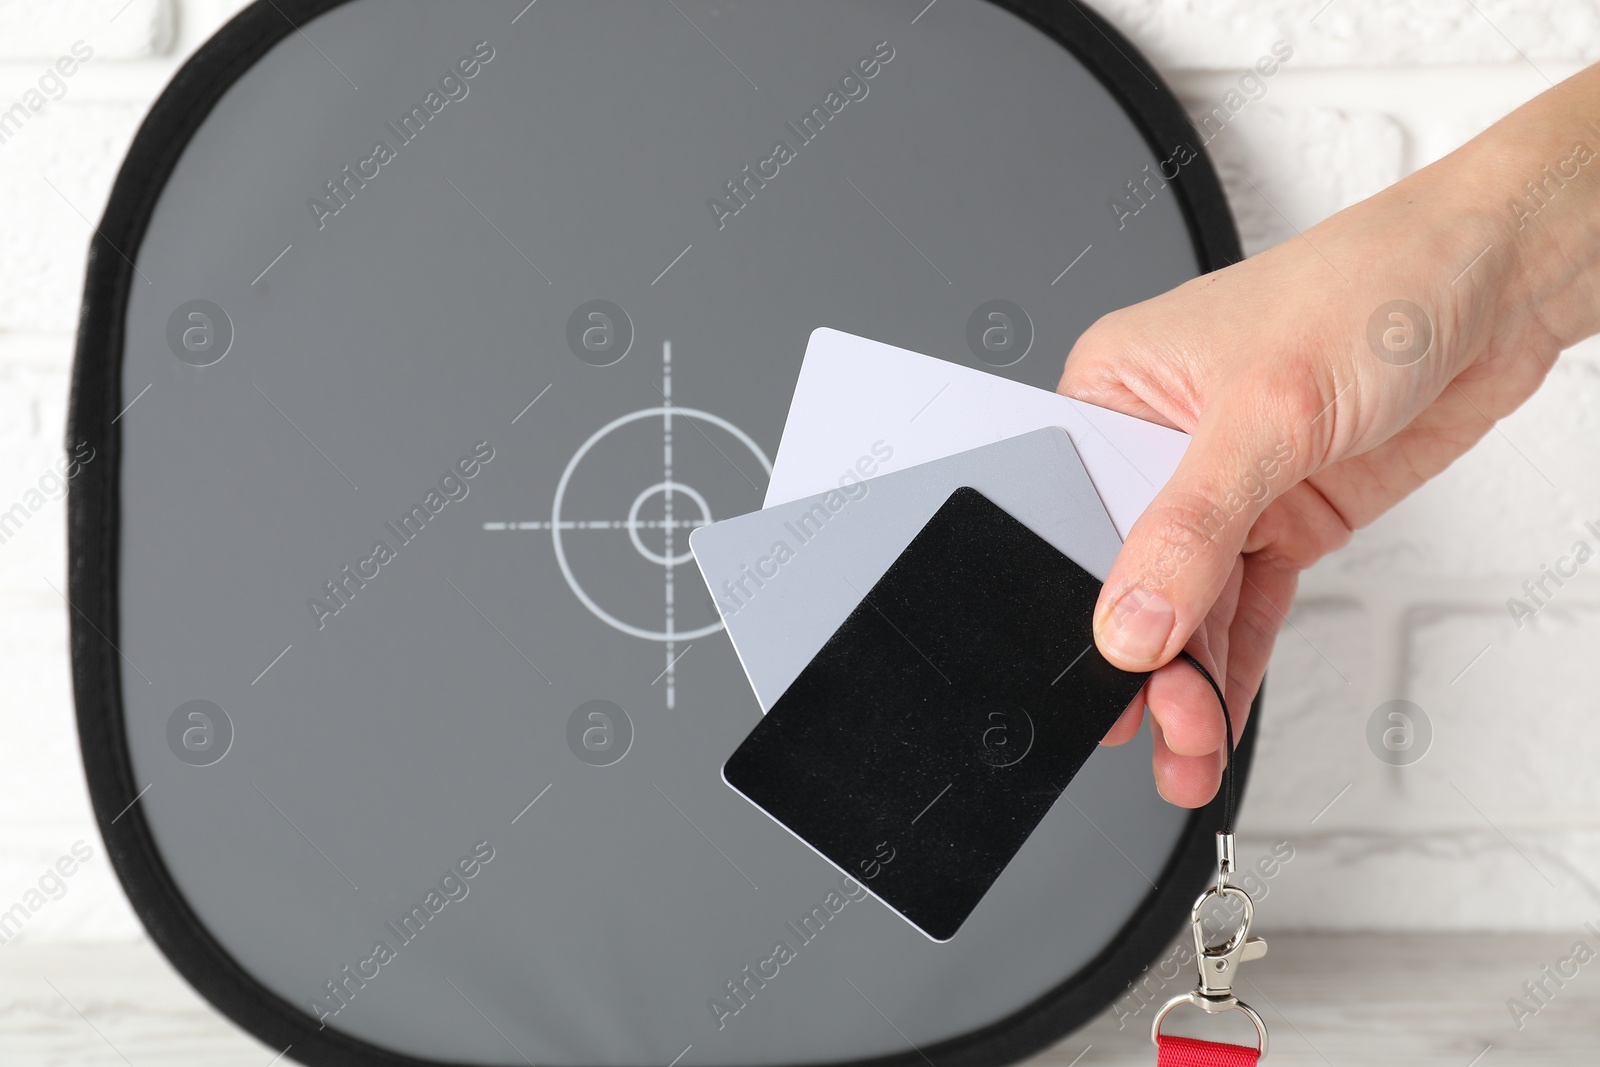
[1268, 365]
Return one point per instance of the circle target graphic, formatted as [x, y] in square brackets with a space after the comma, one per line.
[635, 524]
[667, 487]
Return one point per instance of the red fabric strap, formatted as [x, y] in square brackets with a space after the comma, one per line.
[1187, 1052]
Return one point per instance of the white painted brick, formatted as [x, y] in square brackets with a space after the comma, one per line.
[41, 780]
[1227, 34]
[1311, 743]
[1515, 743]
[42, 30]
[1286, 170]
[1468, 880]
[1493, 512]
[75, 146]
[87, 905]
[203, 18]
[33, 402]
[1504, 799]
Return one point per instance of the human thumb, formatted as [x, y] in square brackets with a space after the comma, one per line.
[1179, 554]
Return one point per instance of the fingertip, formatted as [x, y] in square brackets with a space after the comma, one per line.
[1183, 703]
[1187, 781]
[1127, 725]
[1133, 631]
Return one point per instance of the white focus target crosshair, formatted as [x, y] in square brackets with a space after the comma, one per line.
[668, 487]
[664, 488]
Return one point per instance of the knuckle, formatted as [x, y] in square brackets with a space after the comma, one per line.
[1290, 404]
[1107, 333]
[1098, 362]
[1120, 338]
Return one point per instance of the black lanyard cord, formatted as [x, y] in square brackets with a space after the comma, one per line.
[1229, 795]
[1218, 964]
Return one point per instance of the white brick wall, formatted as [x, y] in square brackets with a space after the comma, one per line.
[115, 29]
[1213, 34]
[1498, 826]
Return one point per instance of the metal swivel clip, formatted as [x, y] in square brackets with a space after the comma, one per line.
[1219, 964]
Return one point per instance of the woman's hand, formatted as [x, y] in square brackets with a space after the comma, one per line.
[1323, 381]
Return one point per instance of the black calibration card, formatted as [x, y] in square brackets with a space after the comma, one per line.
[932, 733]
